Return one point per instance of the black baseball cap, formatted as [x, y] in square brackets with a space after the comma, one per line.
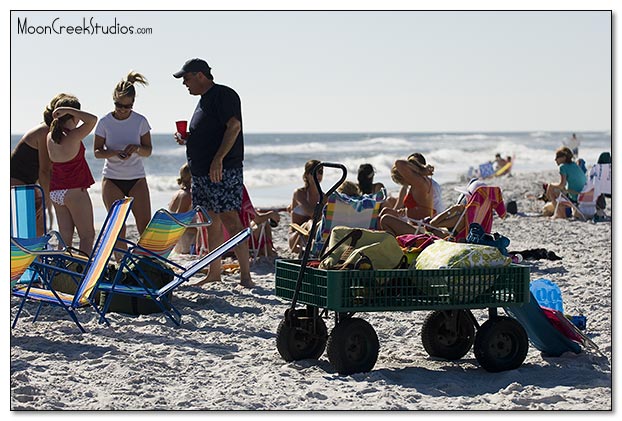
[193, 65]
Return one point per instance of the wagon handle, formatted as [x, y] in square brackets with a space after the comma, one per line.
[290, 313]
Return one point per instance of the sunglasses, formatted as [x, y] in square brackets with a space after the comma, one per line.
[125, 106]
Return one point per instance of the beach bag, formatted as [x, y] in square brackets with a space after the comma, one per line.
[358, 248]
[448, 255]
[158, 275]
[63, 282]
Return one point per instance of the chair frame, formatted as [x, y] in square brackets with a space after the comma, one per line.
[146, 288]
[53, 262]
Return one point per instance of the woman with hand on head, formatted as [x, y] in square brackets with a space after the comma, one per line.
[123, 138]
[71, 176]
[30, 161]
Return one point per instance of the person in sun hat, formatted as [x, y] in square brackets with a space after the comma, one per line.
[215, 153]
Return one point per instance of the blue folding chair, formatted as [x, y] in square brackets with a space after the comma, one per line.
[145, 288]
[26, 200]
[51, 263]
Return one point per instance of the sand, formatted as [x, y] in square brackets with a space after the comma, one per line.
[224, 355]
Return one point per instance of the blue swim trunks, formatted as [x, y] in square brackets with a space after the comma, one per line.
[219, 197]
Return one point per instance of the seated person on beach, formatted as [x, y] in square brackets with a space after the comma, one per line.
[419, 199]
[273, 218]
[349, 189]
[419, 159]
[182, 202]
[366, 180]
[303, 204]
[499, 162]
[572, 180]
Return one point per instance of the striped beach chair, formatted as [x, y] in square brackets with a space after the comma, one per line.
[27, 203]
[165, 229]
[24, 251]
[53, 262]
[145, 288]
[353, 212]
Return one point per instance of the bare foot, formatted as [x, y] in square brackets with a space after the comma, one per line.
[247, 283]
[206, 281]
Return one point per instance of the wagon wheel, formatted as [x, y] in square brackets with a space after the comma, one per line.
[300, 340]
[501, 344]
[353, 346]
[448, 334]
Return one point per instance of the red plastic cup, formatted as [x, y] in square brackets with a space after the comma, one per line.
[182, 127]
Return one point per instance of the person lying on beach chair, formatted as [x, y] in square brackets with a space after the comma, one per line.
[452, 224]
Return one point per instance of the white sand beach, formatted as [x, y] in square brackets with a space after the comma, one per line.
[224, 356]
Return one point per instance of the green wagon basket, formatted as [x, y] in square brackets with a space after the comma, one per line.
[448, 331]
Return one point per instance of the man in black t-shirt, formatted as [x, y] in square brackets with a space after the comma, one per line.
[215, 152]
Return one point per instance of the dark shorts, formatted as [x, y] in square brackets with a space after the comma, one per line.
[219, 197]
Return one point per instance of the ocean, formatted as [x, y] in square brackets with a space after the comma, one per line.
[274, 163]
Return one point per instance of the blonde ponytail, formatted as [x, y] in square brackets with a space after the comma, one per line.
[125, 88]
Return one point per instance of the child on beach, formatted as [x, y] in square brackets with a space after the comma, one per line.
[182, 202]
[71, 176]
[122, 138]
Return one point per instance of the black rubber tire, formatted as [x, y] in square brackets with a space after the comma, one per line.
[441, 340]
[298, 342]
[353, 346]
[501, 344]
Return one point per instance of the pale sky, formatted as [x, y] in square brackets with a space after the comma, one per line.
[332, 71]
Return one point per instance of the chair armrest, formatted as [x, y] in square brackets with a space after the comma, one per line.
[50, 234]
[198, 209]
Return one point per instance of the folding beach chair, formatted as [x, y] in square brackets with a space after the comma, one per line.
[248, 213]
[166, 229]
[600, 176]
[145, 288]
[24, 251]
[353, 212]
[486, 170]
[27, 202]
[53, 262]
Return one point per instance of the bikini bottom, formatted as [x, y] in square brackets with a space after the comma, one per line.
[124, 185]
[58, 196]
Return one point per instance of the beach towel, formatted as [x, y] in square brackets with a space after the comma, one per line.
[479, 209]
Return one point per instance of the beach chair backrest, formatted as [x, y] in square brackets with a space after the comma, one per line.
[164, 231]
[24, 210]
[102, 250]
[20, 259]
[353, 212]
[600, 176]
